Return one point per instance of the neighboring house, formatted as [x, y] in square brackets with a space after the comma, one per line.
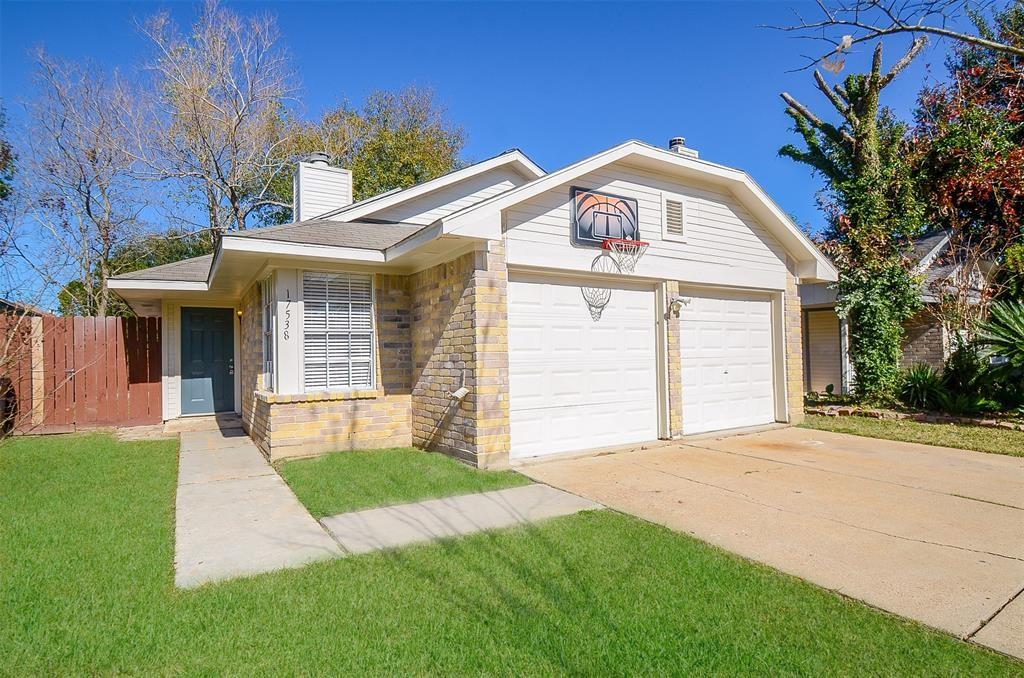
[826, 337]
[9, 307]
[475, 314]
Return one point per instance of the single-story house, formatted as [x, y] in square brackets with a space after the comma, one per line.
[826, 336]
[479, 313]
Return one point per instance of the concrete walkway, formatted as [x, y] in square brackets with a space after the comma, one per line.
[394, 526]
[929, 533]
[235, 515]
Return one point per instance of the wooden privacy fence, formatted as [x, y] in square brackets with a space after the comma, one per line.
[65, 374]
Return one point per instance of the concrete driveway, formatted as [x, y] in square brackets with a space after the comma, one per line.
[930, 533]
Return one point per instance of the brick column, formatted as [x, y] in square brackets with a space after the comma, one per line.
[793, 336]
[492, 437]
[460, 330]
[675, 374]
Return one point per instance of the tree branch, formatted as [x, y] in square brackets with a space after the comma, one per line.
[828, 129]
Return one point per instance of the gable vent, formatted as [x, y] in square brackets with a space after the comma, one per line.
[674, 217]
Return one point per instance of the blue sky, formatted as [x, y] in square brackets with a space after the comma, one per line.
[558, 80]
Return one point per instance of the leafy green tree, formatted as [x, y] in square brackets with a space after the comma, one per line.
[396, 140]
[872, 208]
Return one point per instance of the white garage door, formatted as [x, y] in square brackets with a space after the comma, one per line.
[726, 354]
[576, 383]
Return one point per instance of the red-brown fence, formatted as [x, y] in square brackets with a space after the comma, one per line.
[84, 373]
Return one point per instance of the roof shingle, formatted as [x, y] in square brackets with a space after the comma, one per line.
[195, 269]
[365, 235]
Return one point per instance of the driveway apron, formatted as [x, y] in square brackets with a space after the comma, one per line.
[929, 533]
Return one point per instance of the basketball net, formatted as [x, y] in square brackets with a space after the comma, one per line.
[626, 252]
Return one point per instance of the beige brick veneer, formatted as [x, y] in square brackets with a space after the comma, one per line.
[924, 341]
[675, 366]
[255, 415]
[460, 331]
[793, 336]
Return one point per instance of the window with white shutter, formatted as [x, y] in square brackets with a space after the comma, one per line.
[338, 331]
[673, 217]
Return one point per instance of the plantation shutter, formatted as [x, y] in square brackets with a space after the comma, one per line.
[674, 217]
[338, 331]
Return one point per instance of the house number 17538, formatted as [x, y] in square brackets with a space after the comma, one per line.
[287, 314]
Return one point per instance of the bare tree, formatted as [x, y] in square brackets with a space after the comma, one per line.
[222, 91]
[964, 283]
[846, 23]
[84, 192]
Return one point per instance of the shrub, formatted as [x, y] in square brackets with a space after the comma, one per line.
[1001, 338]
[921, 386]
[1002, 335]
[966, 372]
[963, 404]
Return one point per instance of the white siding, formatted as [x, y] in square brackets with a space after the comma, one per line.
[171, 347]
[428, 208]
[319, 189]
[721, 237]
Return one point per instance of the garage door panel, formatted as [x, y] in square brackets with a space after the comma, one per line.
[727, 362]
[593, 383]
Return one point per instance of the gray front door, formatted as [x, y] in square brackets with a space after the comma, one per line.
[207, 360]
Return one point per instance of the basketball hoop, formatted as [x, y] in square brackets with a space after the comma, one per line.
[626, 252]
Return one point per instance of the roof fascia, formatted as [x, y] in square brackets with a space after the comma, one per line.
[161, 285]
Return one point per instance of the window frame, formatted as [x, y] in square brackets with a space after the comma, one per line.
[374, 357]
[667, 196]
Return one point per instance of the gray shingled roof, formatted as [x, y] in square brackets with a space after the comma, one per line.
[936, 275]
[926, 243]
[364, 235]
[195, 269]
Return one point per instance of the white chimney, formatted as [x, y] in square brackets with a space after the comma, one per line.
[678, 145]
[319, 188]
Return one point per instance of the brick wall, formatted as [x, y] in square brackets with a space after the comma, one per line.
[793, 336]
[460, 331]
[255, 415]
[924, 341]
[315, 423]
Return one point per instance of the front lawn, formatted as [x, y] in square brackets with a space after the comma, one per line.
[962, 437]
[349, 481]
[86, 550]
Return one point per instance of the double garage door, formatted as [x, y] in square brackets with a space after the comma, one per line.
[578, 383]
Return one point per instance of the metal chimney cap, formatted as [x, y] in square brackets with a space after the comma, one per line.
[676, 143]
[318, 158]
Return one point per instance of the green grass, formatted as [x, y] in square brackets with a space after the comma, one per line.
[962, 437]
[349, 481]
[86, 544]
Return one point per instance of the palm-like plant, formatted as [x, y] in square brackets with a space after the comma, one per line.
[1002, 335]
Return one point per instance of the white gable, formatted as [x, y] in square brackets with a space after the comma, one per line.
[430, 207]
[721, 242]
